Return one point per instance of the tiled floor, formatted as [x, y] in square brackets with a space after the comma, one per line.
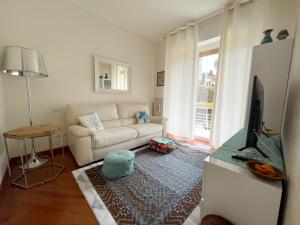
[190, 141]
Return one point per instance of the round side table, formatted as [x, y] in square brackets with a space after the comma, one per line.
[31, 132]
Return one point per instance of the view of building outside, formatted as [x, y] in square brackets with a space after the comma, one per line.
[206, 80]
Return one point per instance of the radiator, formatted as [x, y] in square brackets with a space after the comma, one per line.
[158, 106]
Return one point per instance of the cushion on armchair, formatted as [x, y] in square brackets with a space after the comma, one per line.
[142, 117]
[113, 136]
[91, 121]
[146, 129]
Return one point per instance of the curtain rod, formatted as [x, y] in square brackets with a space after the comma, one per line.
[219, 12]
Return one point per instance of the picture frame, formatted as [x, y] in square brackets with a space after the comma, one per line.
[160, 81]
[107, 81]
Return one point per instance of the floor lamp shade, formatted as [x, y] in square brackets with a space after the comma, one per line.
[25, 62]
[21, 61]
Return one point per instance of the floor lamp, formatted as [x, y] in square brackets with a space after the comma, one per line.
[27, 63]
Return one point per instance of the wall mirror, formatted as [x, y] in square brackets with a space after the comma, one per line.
[111, 75]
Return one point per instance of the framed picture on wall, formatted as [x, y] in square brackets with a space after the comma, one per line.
[160, 78]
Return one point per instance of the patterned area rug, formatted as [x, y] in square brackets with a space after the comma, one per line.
[163, 189]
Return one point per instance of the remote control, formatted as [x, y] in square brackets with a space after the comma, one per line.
[240, 157]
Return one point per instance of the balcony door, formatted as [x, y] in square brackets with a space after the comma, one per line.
[205, 92]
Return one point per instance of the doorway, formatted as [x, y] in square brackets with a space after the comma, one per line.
[205, 92]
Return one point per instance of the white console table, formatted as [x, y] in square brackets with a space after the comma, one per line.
[231, 191]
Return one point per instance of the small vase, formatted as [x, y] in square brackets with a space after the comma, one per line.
[283, 34]
[267, 38]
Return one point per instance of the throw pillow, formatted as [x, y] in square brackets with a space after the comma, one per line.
[91, 121]
[142, 117]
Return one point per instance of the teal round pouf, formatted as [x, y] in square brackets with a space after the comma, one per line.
[118, 163]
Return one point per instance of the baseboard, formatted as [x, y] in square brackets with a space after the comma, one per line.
[3, 163]
[5, 174]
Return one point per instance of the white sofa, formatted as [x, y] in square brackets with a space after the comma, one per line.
[121, 130]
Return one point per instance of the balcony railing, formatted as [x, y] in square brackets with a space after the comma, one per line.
[203, 120]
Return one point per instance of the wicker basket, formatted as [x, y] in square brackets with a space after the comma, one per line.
[279, 174]
[215, 220]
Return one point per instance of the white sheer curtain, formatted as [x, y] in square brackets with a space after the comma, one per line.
[242, 29]
[180, 75]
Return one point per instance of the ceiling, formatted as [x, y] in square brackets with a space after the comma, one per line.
[151, 18]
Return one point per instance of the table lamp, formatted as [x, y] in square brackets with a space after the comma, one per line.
[25, 62]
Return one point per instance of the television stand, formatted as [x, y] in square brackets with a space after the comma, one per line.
[257, 148]
[229, 189]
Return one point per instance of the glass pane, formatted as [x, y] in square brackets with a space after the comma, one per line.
[122, 77]
[206, 79]
[113, 76]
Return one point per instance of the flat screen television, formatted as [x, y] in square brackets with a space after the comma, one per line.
[255, 123]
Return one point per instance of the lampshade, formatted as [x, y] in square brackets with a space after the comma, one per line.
[21, 61]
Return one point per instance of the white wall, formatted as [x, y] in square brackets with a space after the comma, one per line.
[2, 129]
[281, 15]
[210, 28]
[68, 36]
[290, 136]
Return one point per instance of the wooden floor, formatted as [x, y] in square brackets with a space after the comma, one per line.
[59, 202]
[189, 141]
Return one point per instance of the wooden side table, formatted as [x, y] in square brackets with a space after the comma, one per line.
[31, 132]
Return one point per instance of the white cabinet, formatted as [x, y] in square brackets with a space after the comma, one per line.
[234, 193]
[230, 190]
[271, 63]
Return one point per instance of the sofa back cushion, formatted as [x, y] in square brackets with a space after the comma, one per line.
[106, 112]
[127, 112]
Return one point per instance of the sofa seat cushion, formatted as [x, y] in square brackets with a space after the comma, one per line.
[113, 136]
[146, 129]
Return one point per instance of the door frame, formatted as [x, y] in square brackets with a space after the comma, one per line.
[202, 53]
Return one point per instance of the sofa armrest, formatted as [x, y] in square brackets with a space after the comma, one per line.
[80, 131]
[160, 120]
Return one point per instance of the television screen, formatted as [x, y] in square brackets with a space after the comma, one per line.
[255, 123]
